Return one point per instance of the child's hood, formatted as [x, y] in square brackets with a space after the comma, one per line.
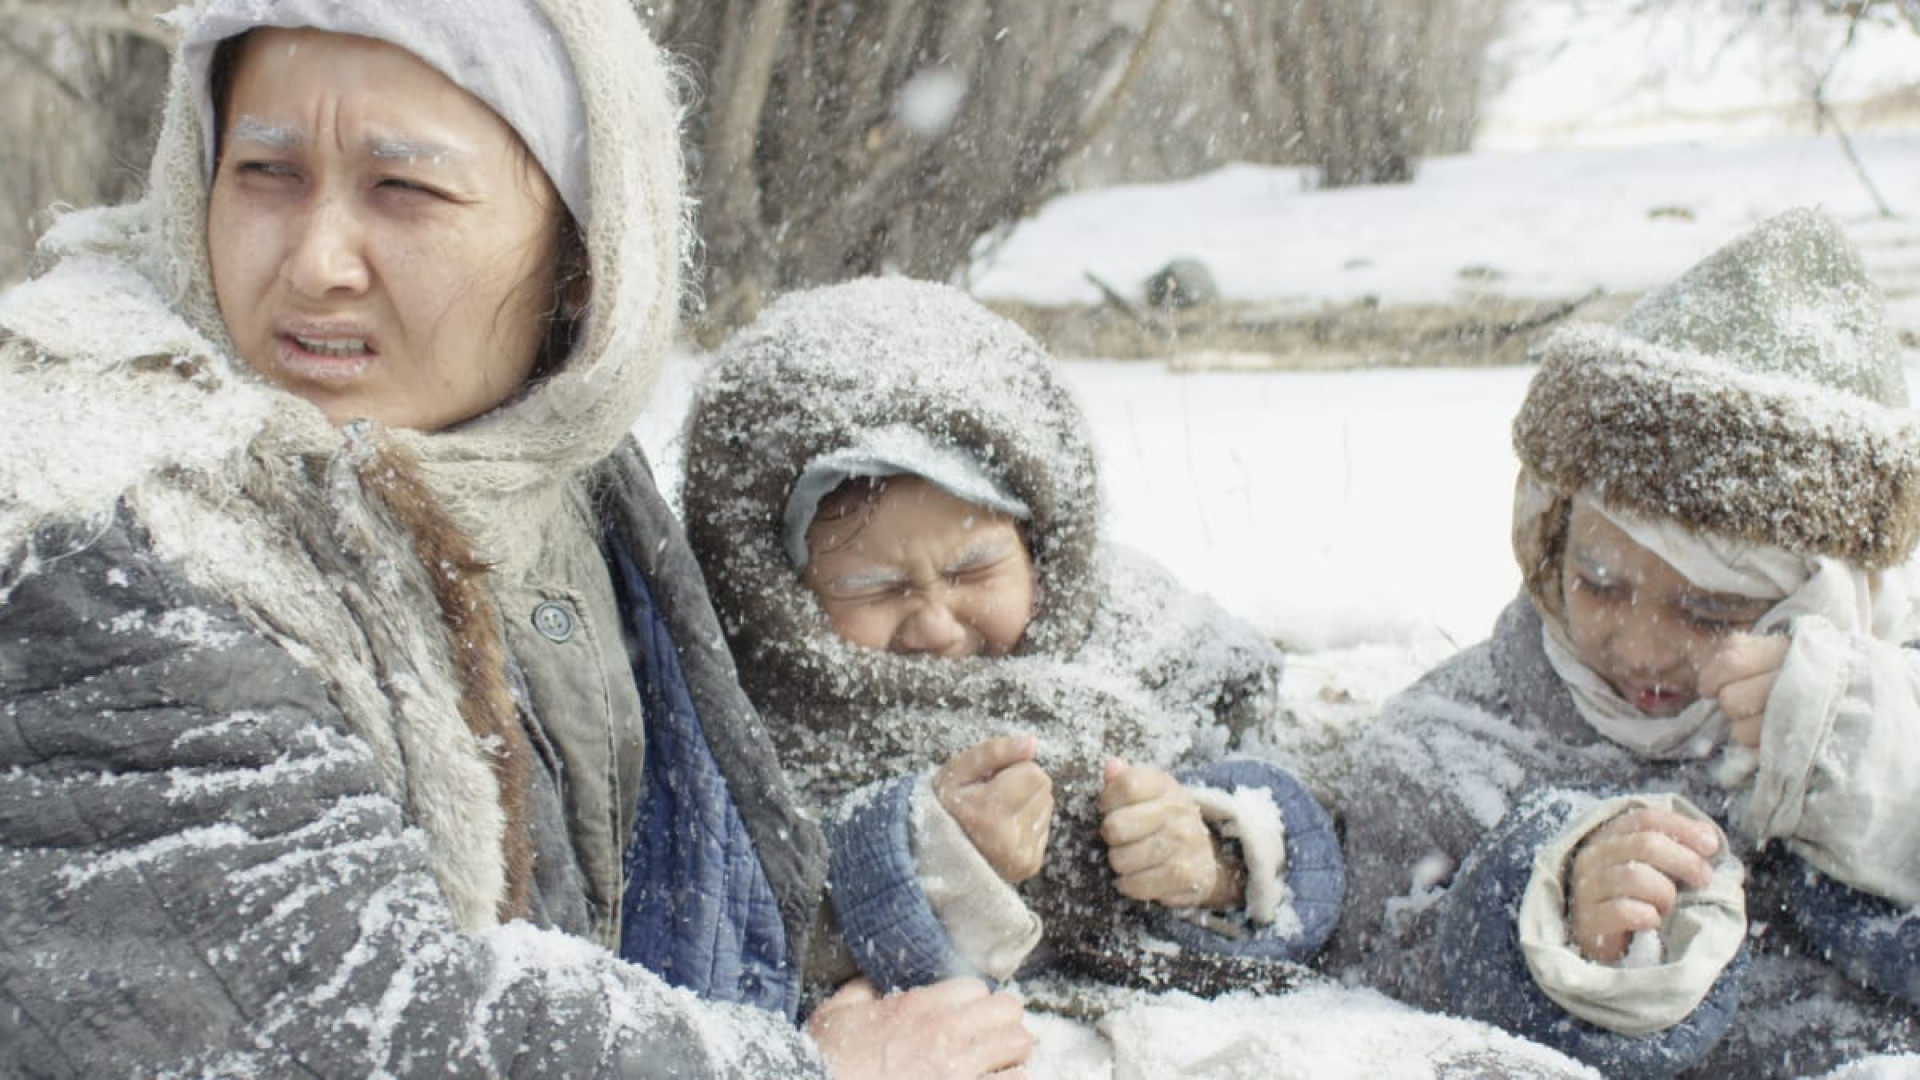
[825, 369]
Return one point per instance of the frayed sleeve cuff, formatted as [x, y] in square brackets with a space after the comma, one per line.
[1644, 993]
[989, 925]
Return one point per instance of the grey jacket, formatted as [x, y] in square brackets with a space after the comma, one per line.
[202, 871]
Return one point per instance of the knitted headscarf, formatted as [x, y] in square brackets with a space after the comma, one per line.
[827, 370]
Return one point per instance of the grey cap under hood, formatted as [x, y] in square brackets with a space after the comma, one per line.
[820, 372]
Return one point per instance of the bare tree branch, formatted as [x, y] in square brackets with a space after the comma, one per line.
[1826, 116]
[1109, 106]
[33, 59]
[137, 17]
[816, 160]
[750, 42]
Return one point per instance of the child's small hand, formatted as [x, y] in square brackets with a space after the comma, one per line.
[1628, 873]
[1003, 801]
[1157, 842]
[1740, 675]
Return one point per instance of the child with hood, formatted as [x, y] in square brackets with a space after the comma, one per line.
[1665, 818]
[895, 501]
[894, 497]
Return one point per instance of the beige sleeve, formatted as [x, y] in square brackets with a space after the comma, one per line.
[1249, 816]
[990, 927]
[1699, 939]
[1839, 748]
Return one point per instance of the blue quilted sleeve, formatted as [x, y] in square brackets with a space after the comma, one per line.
[1486, 975]
[1315, 873]
[884, 914]
[1873, 940]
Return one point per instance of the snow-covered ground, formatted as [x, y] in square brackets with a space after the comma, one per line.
[1361, 517]
[1546, 223]
[1577, 72]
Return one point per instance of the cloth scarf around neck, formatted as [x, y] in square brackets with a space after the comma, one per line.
[1852, 599]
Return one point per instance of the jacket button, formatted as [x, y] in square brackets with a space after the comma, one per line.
[554, 621]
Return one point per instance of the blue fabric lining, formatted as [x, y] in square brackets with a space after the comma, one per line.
[697, 908]
[1874, 940]
[884, 914]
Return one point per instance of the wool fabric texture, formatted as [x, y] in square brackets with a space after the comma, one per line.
[1758, 397]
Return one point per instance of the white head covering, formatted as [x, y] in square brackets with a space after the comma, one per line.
[1853, 599]
[482, 46]
[891, 451]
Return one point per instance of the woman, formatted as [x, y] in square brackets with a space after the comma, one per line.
[358, 685]
[1664, 819]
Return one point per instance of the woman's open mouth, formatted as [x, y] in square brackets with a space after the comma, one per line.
[324, 359]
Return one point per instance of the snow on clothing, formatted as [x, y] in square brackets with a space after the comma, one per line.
[1464, 775]
[1118, 660]
[1317, 1032]
[293, 717]
[1729, 424]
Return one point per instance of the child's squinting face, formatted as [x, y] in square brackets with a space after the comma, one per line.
[916, 570]
[1636, 622]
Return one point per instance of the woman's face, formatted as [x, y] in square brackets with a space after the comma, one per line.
[382, 243]
[1636, 622]
[916, 570]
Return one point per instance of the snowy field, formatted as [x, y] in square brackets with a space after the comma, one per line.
[1361, 517]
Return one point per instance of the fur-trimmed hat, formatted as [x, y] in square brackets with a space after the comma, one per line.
[1759, 397]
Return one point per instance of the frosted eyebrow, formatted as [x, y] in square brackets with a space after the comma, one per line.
[980, 554]
[1593, 567]
[861, 581]
[281, 137]
[272, 136]
[413, 150]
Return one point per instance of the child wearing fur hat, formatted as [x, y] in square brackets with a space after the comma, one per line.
[1664, 819]
[894, 499]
